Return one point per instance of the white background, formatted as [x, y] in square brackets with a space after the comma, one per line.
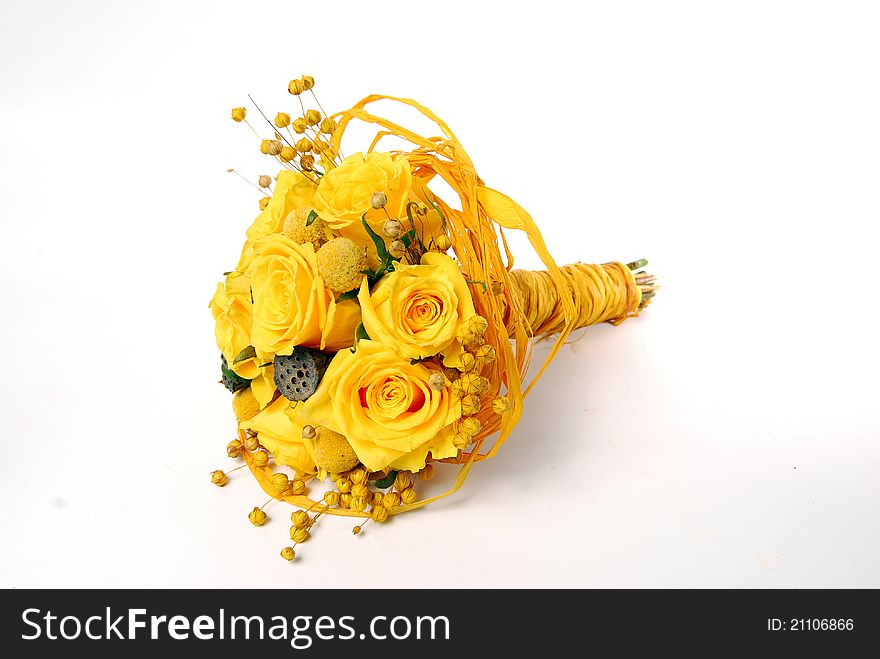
[727, 437]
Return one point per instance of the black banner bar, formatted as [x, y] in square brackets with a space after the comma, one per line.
[372, 622]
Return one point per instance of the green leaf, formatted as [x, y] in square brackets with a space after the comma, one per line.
[408, 237]
[387, 481]
[377, 240]
[477, 281]
[248, 353]
[226, 274]
[348, 295]
[312, 217]
[360, 334]
[635, 265]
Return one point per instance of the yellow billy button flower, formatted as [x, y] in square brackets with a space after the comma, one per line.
[341, 263]
[257, 517]
[384, 406]
[420, 310]
[282, 119]
[345, 193]
[238, 114]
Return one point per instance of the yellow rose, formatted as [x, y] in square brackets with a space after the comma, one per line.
[292, 306]
[344, 194]
[281, 434]
[292, 191]
[233, 313]
[420, 310]
[385, 408]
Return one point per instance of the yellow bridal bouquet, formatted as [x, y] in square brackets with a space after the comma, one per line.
[372, 329]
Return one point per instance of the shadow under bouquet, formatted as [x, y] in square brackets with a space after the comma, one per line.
[373, 330]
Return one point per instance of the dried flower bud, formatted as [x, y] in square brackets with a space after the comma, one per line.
[252, 443]
[409, 495]
[496, 287]
[358, 475]
[397, 249]
[264, 202]
[264, 181]
[486, 354]
[309, 432]
[261, 458]
[478, 325]
[391, 500]
[313, 117]
[356, 530]
[377, 498]
[320, 144]
[300, 519]
[470, 425]
[469, 383]
[392, 228]
[427, 472]
[282, 119]
[379, 514]
[238, 114]
[275, 147]
[233, 448]
[378, 200]
[304, 145]
[470, 405]
[307, 162]
[443, 242]
[501, 405]
[280, 482]
[287, 154]
[296, 87]
[308, 82]
[461, 439]
[467, 362]
[299, 125]
[297, 487]
[331, 498]
[257, 517]
[288, 554]
[437, 381]
[299, 535]
[219, 478]
[360, 490]
[359, 504]
[328, 126]
[472, 341]
[402, 480]
[264, 146]
[343, 485]
[344, 499]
